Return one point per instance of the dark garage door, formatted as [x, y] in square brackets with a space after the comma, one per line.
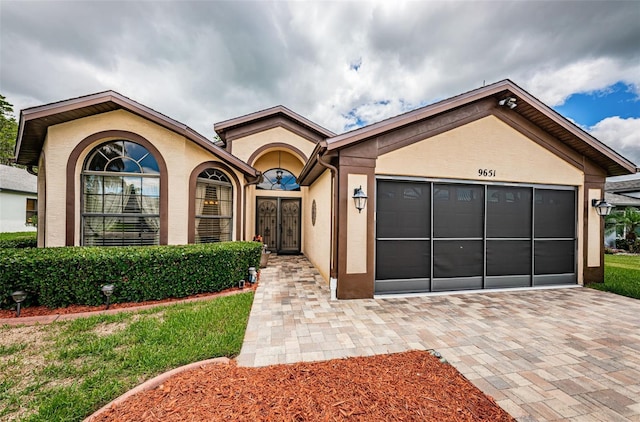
[435, 236]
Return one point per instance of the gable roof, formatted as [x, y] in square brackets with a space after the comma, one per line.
[35, 121]
[271, 117]
[632, 185]
[528, 107]
[17, 180]
[621, 200]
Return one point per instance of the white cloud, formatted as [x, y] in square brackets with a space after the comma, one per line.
[200, 62]
[623, 135]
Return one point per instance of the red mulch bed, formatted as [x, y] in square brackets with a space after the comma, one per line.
[31, 311]
[410, 386]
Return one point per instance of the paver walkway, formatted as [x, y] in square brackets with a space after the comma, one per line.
[544, 355]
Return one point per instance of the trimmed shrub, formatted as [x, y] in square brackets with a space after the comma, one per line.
[57, 277]
[630, 245]
[18, 240]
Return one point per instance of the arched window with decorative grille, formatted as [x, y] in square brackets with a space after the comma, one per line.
[120, 196]
[278, 179]
[213, 206]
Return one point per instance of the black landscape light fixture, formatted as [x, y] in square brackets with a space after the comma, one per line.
[359, 198]
[18, 296]
[241, 284]
[603, 208]
[107, 290]
[508, 102]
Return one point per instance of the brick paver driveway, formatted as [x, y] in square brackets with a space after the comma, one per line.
[562, 354]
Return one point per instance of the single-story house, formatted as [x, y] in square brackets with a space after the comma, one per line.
[488, 189]
[620, 194]
[18, 200]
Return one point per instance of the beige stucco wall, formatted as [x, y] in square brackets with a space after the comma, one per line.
[244, 147]
[180, 154]
[487, 144]
[356, 230]
[317, 239]
[279, 158]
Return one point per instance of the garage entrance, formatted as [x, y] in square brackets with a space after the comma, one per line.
[434, 236]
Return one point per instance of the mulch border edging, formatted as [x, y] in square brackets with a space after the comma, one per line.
[155, 382]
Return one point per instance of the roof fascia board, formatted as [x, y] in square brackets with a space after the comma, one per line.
[211, 147]
[413, 116]
[137, 109]
[573, 129]
[222, 127]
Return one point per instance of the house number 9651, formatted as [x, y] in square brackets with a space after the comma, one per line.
[486, 173]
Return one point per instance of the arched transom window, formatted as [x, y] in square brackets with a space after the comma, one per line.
[278, 179]
[214, 207]
[121, 196]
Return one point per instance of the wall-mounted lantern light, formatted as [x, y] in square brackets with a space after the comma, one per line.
[107, 290]
[603, 208]
[18, 296]
[359, 198]
[508, 102]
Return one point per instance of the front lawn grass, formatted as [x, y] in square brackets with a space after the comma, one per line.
[65, 371]
[621, 275]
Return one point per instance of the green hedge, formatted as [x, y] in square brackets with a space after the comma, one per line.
[57, 277]
[18, 240]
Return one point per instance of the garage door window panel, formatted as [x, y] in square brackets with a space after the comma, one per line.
[457, 258]
[555, 213]
[554, 257]
[400, 259]
[555, 228]
[458, 211]
[508, 212]
[508, 257]
[403, 210]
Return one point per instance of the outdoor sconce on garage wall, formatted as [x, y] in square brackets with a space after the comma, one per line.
[359, 198]
[603, 208]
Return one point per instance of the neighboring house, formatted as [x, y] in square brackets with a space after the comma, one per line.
[488, 189]
[621, 194]
[18, 200]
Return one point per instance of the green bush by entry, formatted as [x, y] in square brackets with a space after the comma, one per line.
[18, 240]
[57, 277]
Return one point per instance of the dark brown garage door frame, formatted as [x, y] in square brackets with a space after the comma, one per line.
[436, 235]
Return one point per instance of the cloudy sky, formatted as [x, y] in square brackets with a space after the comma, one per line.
[340, 64]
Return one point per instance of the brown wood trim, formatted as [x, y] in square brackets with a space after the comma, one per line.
[301, 155]
[592, 274]
[270, 123]
[355, 286]
[191, 231]
[42, 200]
[105, 136]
